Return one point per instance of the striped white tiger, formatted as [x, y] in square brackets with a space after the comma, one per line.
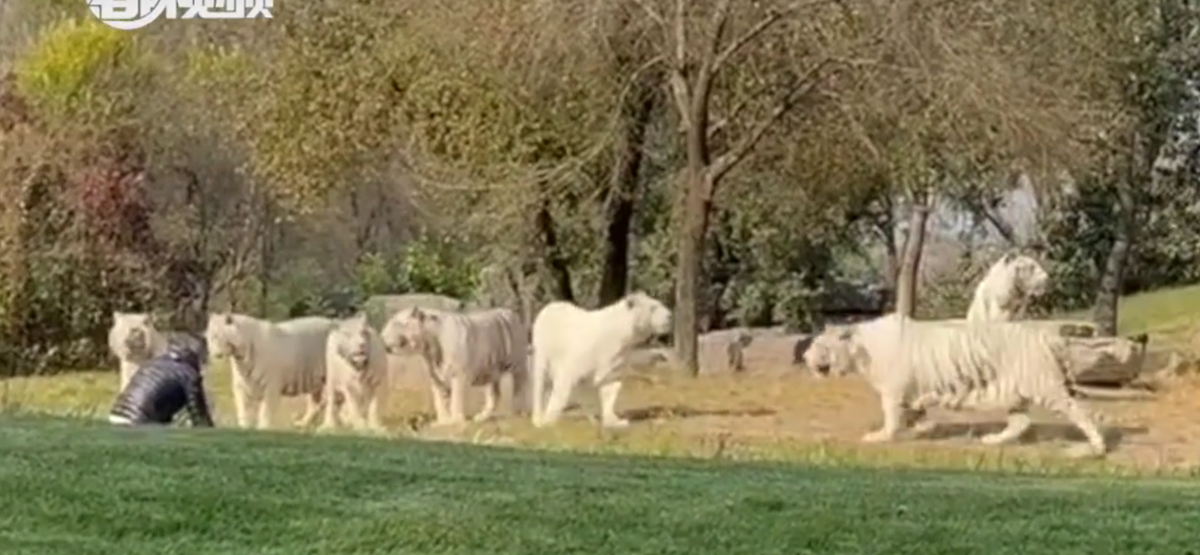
[356, 372]
[827, 354]
[269, 360]
[571, 344]
[134, 339]
[461, 350]
[921, 364]
[1007, 287]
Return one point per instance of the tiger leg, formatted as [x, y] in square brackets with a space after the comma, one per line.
[918, 414]
[458, 393]
[127, 369]
[560, 395]
[608, 393]
[332, 417]
[1018, 423]
[1073, 411]
[267, 408]
[892, 407]
[491, 395]
[439, 395]
[374, 422]
[312, 406]
[244, 406]
[357, 412]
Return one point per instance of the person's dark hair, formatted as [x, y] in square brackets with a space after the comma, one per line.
[188, 348]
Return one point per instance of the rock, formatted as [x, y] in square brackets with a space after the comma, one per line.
[1106, 360]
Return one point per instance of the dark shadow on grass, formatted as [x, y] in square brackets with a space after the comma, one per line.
[1037, 433]
[656, 412]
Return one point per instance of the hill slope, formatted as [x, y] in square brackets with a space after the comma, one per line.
[78, 489]
[1170, 315]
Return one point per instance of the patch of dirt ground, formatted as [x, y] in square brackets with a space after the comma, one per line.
[1163, 432]
[789, 406]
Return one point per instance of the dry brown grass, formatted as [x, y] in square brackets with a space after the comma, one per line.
[775, 415]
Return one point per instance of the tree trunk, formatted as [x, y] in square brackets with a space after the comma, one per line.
[891, 263]
[559, 268]
[1104, 310]
[697, 207]
[639, 113]
[910, 265]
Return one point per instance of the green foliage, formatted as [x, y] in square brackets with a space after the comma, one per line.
[324, 106]
[155, 494]
[62, 69]
[426, 265]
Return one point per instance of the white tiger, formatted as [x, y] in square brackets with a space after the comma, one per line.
[921, 364]
[269, 360]
[1010, 283]
[462, 350]
[356, 372]
[134, 339]
[571, 344]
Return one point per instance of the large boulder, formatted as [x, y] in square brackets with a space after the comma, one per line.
[1106, 360]
[740, 349]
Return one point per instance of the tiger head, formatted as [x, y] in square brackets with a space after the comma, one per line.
[1026, 276]
[832, 352]
[133, 335]
[409, 329]
[352, 338]
[225, 337]
[651, 318]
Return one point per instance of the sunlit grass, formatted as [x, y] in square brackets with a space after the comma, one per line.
[229, 492]
[751, 417]
[767, 414]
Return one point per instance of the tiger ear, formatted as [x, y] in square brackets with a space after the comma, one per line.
[1009, 257]
[845, 333]
[228, 318]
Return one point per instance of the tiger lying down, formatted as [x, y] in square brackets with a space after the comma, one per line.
[917, 365]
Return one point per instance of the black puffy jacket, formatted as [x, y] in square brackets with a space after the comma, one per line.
[166, 385]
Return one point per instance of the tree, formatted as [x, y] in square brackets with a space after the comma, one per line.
[946, 99]
[696, 47]
[1151, 85]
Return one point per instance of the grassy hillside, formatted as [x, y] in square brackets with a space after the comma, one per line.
[1170, 315]
[78, 489]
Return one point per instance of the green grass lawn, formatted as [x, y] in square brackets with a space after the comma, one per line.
[1172, 315]
[73, 488]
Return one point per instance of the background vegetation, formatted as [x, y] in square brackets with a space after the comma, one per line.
[754, 163]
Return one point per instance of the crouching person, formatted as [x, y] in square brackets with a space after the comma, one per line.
[164, 386]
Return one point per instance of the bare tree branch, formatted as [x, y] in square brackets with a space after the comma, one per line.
[679, 84]
[652, 13]
[1005, 230]
[681, 35]
[759, 28]
[798, 90]
[724, 122]
[860, 131]
[679, 89]
[702, 93]
[720, 21]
